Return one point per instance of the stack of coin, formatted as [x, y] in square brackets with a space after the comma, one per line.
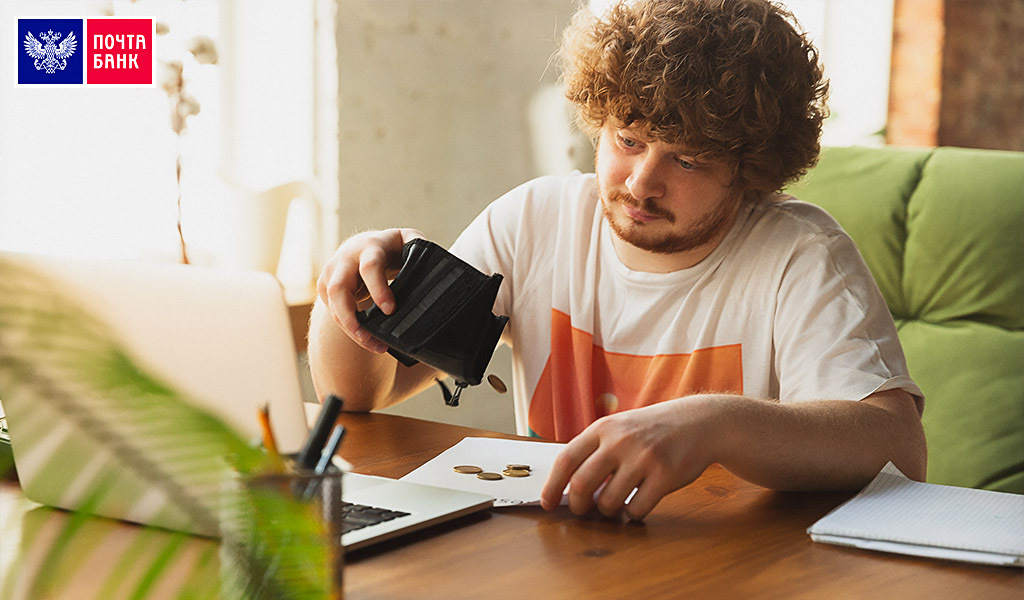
[511, 470]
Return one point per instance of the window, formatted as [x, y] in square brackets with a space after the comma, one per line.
[855, 43]
[92, 171]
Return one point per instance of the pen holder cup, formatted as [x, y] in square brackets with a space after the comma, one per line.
[290, 523]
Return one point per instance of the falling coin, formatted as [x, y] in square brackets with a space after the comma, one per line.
[516, 472]
[498, 385]
[514, 466]
[488, 476]
[468, 469]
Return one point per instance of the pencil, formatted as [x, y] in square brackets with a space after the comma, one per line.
[268, 434]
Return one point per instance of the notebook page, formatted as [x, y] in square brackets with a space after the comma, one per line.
[893, 508]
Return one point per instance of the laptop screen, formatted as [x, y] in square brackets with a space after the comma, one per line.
[221, 339]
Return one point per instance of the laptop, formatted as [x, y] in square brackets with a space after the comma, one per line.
[223, 339]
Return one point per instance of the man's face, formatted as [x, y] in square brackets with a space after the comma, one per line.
[672, 209]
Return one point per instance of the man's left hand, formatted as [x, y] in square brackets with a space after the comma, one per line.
[655, 450]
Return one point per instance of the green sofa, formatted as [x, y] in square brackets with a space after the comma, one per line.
[942, 229]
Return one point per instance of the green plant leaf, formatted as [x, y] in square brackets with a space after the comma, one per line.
[86, 399]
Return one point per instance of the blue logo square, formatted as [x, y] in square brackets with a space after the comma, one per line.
[51, 51]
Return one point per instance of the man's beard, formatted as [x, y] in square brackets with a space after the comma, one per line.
[706, 229]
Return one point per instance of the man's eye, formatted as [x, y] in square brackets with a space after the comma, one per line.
[686, 164]
[628, 143]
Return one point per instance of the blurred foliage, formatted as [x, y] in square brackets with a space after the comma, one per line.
[79, 393]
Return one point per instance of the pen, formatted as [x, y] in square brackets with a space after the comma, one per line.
[332, 446]
[268, 434]
[311, 451]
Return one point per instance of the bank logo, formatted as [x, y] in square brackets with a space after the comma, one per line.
[85, 51]
[49, 52]
[50, 56]
[120, 51]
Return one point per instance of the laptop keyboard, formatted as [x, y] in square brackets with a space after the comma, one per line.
[358, 516]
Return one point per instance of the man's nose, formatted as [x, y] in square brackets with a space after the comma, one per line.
[646, 179]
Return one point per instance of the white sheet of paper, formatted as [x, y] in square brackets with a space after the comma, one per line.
[491, 454]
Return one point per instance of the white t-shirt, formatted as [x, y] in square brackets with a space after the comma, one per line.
[784, 307]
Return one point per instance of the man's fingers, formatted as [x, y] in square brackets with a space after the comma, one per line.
[647, 496]
[342, 307]
[588, 479]
[612, 497]
[584, 467]
[566, 463]
[373, 263]
[359, 270]
[337, 288]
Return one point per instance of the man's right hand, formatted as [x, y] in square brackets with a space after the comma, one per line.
[357, 273]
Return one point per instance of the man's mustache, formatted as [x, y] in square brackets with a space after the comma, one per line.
[648, 206]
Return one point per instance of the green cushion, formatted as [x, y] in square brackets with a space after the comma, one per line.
[943, 232]
[965, 249]
[972, 377]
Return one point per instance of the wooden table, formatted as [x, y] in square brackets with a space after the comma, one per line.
[720, 537]
[298, 316]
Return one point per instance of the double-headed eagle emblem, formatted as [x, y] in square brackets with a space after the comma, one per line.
[50, 56]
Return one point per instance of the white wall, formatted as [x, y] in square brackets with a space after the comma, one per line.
[434, 104]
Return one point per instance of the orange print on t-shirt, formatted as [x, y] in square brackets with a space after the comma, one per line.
[582, 382]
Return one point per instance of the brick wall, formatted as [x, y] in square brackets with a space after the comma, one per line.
[957, 74]
[915, 81]
[983, 75]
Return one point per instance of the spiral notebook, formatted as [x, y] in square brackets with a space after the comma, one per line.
[895, 514]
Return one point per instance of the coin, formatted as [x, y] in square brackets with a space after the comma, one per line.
[498, 385]
[488, 476]
[515, 466]
[468, 469]
[516, 472]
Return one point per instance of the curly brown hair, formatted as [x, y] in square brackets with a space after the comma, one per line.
[730, 79]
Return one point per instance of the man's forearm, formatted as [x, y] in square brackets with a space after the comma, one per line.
[365, 380]
[822, 444]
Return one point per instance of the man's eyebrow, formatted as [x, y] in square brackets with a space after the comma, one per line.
[691, 153]
[638, 129]
[688, 152]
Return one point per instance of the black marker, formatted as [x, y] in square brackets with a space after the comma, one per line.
[310, 453]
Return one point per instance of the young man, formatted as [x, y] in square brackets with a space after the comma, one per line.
[672, 310]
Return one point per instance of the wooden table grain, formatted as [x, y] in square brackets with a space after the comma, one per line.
[719, 537]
